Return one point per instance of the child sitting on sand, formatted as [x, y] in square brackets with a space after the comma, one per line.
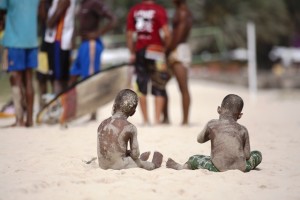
[230, 146]
[116, 132]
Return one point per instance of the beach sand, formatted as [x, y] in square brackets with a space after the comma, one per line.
[48, 162]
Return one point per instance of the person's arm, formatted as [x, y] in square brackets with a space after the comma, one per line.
[246, 144]
[42, 12]
[130, 45]
[134, 146]
[2, 19]
[167, 36]
[203, 135]
[179, 30]
[111, 22]
[61, 8]
[3, 8]
[129, 36]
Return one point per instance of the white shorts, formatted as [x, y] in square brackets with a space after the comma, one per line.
[182, 54]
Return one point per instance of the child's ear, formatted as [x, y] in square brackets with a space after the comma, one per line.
[219, 109]
[240, 116]
[132, 113]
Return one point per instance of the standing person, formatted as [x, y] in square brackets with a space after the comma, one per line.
[230, 144]
[20, 39]
[59, 36]
[88, 61]
[179, 53]
[43, 73]
[146, 19]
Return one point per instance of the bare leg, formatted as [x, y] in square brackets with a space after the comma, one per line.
[29, 95]
[157, 159]
[145, 156]
[143, 104]
[42, 87]
[159, 107]
[16, 85]
[166, 111]
[181, 75]
[59, 86]
[174, 165]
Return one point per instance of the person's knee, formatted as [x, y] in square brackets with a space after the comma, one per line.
[159, 92]
[257, 155]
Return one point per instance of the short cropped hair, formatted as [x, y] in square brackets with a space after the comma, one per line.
[233, 103]
[126, 101]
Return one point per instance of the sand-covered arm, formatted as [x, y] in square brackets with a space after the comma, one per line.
[203, 135]
[246, 144]
[134, 146]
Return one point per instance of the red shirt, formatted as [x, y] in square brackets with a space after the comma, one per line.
[146, 19]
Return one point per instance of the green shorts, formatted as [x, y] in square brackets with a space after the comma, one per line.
[204, 162]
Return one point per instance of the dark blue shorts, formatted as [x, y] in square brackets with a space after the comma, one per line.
[86, 64]
[20, 59]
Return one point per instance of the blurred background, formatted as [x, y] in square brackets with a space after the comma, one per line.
[220, 26]
[219, 40]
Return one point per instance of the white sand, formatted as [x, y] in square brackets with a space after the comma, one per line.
[46, 162]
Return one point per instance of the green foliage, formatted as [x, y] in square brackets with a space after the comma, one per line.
[276, 20]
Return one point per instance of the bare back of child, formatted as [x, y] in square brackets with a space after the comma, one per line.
[117, 138]
[230, 146]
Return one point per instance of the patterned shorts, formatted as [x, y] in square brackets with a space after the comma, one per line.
[204, 162]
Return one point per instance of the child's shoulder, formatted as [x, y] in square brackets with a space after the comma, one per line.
[213, 121]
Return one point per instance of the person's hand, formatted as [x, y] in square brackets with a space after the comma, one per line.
[132, 58]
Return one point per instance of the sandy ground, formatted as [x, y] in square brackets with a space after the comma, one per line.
[47, 162]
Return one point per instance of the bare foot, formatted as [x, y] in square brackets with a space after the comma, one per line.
[157, 159]
[173, 165]
[144, 156]
[29, 124]
[185, 123]
[165, 121]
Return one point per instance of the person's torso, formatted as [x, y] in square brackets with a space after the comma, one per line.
[188, 21]
[112, 141]
[21, 24]
[227, 145]
[148, 20]
[63, 31]
[89, 15]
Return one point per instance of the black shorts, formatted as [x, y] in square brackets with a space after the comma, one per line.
[146, 71]
[59, 61]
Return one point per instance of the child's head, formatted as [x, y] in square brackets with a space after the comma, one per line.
[232, 105]
[126, 102]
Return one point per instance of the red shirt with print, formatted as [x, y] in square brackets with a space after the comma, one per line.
[146, 19]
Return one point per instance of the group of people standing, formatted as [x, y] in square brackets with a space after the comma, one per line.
[58, 19]
[62, 21]
[148, 19]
